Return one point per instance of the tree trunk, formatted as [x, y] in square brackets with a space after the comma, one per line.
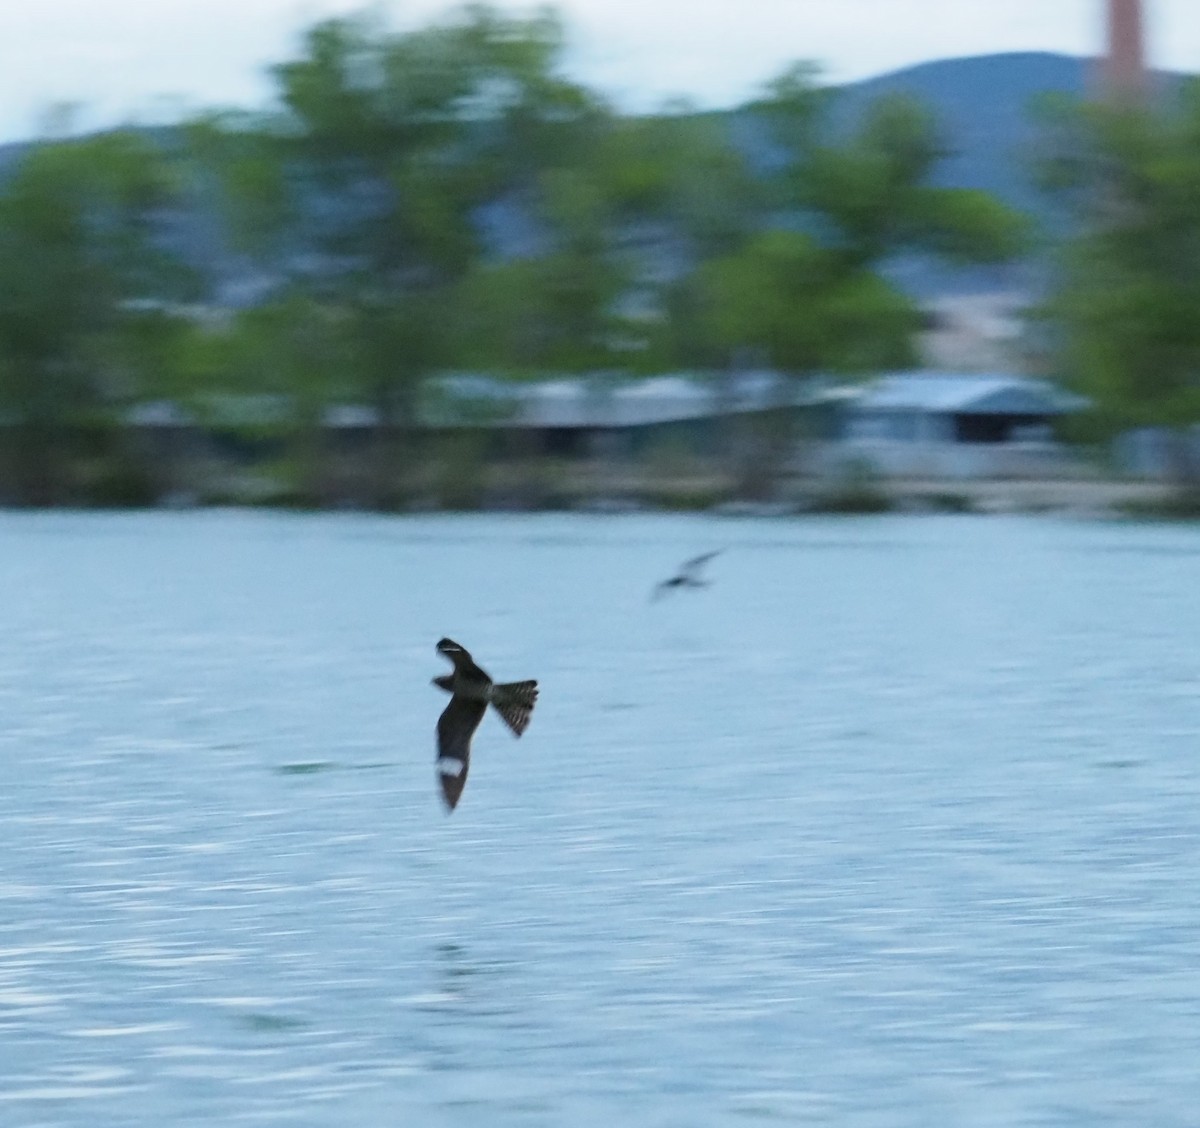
[771, 445]
[394, 457]
[1183, 465]
[37, 463]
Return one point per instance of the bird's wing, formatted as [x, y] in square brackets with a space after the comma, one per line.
[455, 727]
[691, 567]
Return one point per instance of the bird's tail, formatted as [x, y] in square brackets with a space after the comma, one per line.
[514, 701]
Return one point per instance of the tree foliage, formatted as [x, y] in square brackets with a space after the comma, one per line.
[444, 197]
[80, 248]
[1124, 316]
[368, 187]
[814, 295]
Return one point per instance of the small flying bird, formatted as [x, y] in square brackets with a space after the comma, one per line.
[471, 692]
[688, 575]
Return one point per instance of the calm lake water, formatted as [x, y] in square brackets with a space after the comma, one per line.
[897, 824]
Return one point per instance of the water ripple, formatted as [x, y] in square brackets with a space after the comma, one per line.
[895, 824]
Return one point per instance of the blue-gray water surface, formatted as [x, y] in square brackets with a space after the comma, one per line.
[896, 824]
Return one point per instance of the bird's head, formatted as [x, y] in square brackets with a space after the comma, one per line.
[446, 682]
[449, 647]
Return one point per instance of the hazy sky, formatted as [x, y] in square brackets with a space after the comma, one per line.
[150, 59]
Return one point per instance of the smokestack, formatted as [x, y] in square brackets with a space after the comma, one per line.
[1124, 70]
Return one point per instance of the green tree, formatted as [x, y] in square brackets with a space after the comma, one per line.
[369, 185]
[79, 248]
[812, 297]
[1123, 320]
[692, 196]
[293, 355]
[782, 295]
[619, 217]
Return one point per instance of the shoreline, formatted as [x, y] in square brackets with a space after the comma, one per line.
[1100, 499]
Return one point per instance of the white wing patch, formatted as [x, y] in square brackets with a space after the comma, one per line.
[450, 766]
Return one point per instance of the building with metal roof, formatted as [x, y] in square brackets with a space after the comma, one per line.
[577, 415]
[910, 424]
[603, 400]
[940, 424]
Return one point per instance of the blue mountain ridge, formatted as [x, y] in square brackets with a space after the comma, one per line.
[983, 105]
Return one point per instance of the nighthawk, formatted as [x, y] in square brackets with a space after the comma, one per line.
[471, 692]
[688, 575]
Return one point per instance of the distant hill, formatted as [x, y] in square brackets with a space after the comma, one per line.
[983, 105]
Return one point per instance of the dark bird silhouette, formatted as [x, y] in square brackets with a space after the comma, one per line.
[471, 692]
[688, 575]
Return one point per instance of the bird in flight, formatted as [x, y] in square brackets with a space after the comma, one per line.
[688, 575]
[471, 692]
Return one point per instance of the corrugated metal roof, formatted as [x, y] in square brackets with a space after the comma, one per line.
[349, 416]
[605, 401]
[563, 403]
[158, 413]
[966, 394]
[467, 399]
